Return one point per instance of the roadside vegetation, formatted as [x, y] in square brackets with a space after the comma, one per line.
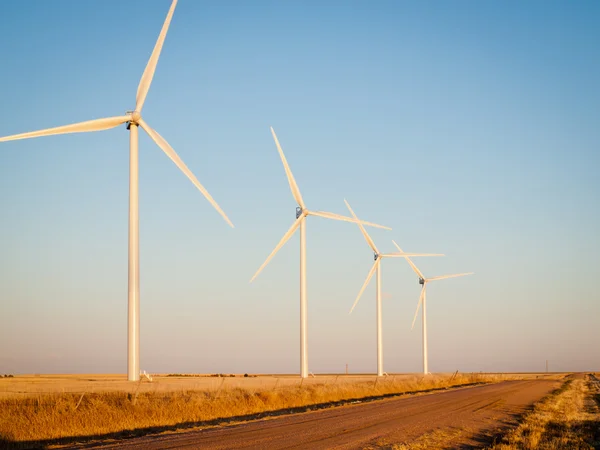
[569, 418]
[64, 418]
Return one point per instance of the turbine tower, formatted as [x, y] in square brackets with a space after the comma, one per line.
[133, 119]
[423, 299]
[378, 256]
[301, 214]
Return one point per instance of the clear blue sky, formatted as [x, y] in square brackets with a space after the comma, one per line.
[471, 128]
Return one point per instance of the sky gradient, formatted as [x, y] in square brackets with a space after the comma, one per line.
[470, 128]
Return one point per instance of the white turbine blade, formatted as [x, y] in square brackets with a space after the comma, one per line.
[334, 216]
[417, 271]
[406, 255]
[443, 277]
[81, 127]
[288, 172]
[164, 145]
[148, 74]
[286, 237]
[362, 229]
[418, 306]
[365, 284]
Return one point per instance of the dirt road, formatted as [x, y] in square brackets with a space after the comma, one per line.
[459, 418]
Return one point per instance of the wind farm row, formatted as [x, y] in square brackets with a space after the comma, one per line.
[301, 213]
[133, 120]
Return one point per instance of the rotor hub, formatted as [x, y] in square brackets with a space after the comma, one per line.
[135, 116]
[375, 256]
[298, 211]
[421, 281]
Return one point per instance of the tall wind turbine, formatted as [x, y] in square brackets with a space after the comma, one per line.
[133, 119]
[422, 300]
[301, 214]
[376, 268]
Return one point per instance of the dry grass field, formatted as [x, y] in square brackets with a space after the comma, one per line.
[28, 385]
[22, 386]
[67, 408]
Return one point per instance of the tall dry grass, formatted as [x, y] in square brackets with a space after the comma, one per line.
[62, 417]
[569, 418]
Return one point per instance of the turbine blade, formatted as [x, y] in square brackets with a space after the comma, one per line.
[164, 145]
[288, 172]
[365, 284]
[417, 271]
[286, 237]
[418, 306]
[443, 277]
[362, 229]
[81, 127]
[330, 215]
[148, 74]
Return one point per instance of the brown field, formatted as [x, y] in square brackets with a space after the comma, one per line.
[32, 385]
[56, 409]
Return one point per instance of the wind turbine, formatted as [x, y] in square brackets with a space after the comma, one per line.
[376, 267]
[422, 299]
[301, 214]
[133, 120]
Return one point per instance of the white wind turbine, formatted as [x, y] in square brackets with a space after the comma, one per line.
[422, 300]
[133, 120]
[376, 267]
[301, 213]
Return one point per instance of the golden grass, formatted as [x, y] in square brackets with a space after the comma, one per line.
[59, 418]
[569, 418]
[35, 385]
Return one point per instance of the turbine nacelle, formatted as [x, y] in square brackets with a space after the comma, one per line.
[135, 117]
[421, 281]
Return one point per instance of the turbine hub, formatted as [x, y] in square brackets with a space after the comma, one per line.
[298, 211]
[375, 256]
[421, 281]
[135, 116]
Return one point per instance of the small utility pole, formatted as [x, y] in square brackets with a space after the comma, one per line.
[546, 366]
[346, 368]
